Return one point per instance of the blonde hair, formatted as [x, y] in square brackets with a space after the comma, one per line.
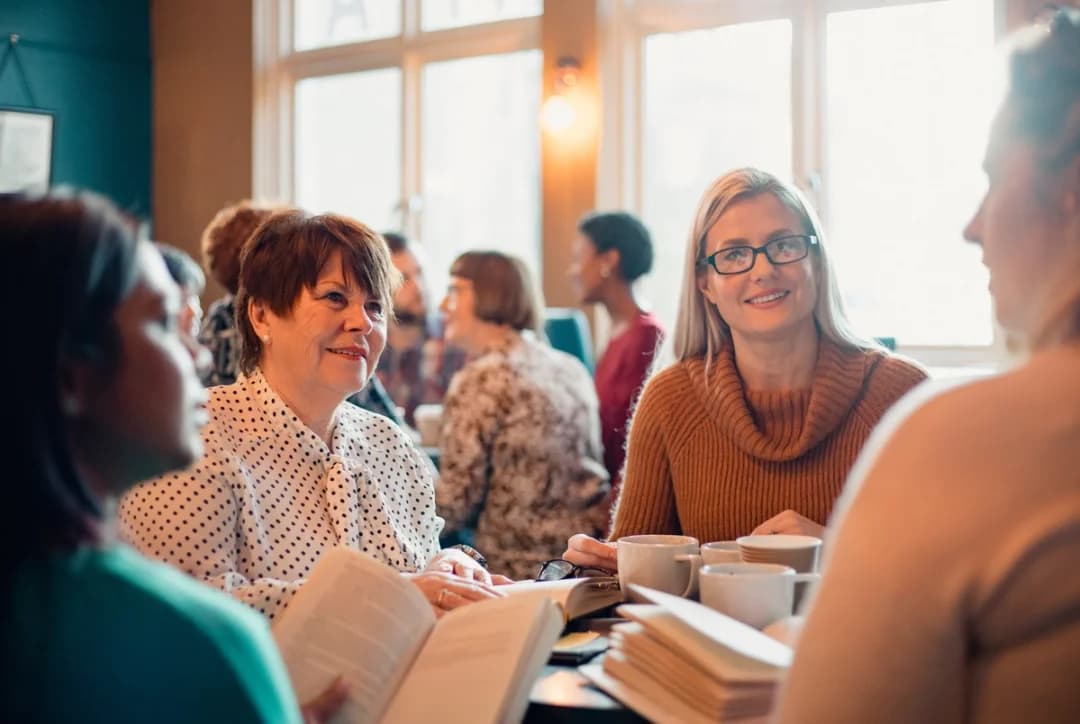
[700, 331]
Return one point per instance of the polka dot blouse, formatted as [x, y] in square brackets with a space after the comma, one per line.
[269, 498]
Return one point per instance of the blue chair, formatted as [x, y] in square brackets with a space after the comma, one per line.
[567, 329]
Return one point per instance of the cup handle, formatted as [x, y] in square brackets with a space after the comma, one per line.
[807, 577]
[694, 559]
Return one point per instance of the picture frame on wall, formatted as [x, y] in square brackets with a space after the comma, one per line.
[26, 149]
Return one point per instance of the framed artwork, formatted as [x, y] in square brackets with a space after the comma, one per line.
[26, 141]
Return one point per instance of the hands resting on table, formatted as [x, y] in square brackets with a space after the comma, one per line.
[586, 551]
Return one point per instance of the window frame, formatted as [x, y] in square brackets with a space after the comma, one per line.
[278, 68]
[624, 26]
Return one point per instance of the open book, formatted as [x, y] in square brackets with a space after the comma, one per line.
[358, 618]
[575, 596]
[677, 660]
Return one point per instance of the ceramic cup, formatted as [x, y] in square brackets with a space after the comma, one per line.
[798, 551]
[725, 551]
[667, 563]
[428, 420]
[755, 593]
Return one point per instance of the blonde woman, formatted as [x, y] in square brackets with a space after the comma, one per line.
[971, 611]
[753, 429]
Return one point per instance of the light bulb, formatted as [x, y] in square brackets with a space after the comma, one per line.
[558, 114]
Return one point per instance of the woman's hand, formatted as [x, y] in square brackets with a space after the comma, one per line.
[445, 591]
[325, 705]
[792, 523]
[457, 563]
[587, 552]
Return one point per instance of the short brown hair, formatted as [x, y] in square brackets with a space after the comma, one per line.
[505, 291]
[286, 254]
[224, 237]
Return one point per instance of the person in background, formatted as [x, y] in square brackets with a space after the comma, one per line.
[950, 589]
[755, 426]
[417, 366]
[610, 252]
[520, 434]
[289, 469]
[107, 395]
[187, 274]
[222, 241]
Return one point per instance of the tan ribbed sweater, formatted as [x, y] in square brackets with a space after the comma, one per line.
[710, 459]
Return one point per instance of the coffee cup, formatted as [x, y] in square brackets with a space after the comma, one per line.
[667, 563]
[724, 551]
[428, 420]
[755, 593]
[798, 551]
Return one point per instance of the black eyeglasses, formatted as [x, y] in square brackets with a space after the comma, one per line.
[557, 569]
[739, 259]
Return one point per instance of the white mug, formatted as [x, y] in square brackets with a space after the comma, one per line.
[724, 551]
[428, 420]
[667, 563]
[755, 593]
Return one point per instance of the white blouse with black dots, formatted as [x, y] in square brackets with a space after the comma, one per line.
[269, 498]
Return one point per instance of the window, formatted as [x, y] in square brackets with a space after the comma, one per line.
[347, 144]
[876, 108]
[481, 161]
[432, 130]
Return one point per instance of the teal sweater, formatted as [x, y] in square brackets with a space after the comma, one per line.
[105, 635]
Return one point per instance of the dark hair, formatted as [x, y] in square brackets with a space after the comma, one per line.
[505, 291]
[182, 268]
[287, 253]
[224, 237]
[397, 242]
[1044, 86]
[72, 257]
[625, 233]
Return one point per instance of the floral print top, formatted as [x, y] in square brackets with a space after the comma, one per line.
[521, 454]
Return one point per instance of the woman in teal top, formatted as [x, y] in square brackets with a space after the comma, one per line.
[102, 391]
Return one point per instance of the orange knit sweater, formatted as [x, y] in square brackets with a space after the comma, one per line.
[710, 459]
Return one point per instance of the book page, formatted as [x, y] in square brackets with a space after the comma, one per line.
[358, 618]
[576, 596]
[479, 663]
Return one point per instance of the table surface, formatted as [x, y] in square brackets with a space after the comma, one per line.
[563, 694]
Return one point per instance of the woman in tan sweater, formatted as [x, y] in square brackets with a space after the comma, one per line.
[951, 591]
[754, 428]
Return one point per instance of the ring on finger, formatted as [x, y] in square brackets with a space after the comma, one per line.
[440, 600]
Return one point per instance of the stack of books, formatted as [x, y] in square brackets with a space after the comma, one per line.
[678, 661]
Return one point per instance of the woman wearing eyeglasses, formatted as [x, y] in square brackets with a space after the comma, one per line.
[754, 428]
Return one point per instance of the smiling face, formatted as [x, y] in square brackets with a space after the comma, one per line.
[766, 302]
[142, 418]
[1021, 228]
[327, 346]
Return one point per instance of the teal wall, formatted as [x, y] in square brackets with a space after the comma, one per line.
[88, 61]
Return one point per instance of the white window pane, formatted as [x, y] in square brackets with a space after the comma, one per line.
[317, 23]
[702, 119]
[439, 14]
[481, 159]
[348, 145]
[907, 103]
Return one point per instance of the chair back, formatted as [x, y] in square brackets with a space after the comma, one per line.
[567, 329]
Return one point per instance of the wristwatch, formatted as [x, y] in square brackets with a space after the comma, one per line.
[472, 553]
